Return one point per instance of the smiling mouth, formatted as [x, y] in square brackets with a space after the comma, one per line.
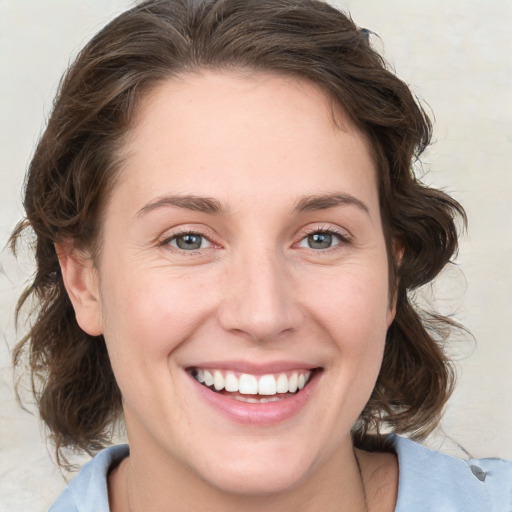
[246, 387]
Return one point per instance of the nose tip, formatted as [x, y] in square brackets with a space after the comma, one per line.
[260, 303]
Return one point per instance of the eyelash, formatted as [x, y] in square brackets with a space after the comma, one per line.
[166, 242]
[344, 239]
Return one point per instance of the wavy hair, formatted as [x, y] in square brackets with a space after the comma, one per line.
[77, 159]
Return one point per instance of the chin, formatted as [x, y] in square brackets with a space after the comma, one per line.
[260, 467]
[257, 479]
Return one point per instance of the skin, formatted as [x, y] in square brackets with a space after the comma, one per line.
[255, 291]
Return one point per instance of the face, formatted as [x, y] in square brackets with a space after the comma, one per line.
[242, 246]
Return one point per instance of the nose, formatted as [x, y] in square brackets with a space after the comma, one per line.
[259, 300]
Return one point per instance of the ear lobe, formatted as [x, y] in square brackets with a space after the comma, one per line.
[81, 281]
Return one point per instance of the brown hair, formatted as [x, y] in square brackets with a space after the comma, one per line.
[75, 164]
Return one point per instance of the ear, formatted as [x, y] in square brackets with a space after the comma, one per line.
[398, 252]
[81, 281]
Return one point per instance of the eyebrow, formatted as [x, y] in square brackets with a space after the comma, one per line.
[213, 206]
[326, 201]
[188, 202]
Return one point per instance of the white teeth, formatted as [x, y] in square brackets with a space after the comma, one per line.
[267, 385]
[218, 380]
[208, 378]
[247, 399]
[231, 382]
[248, 384]
[282, 384]
[257, 400]
[292, 382]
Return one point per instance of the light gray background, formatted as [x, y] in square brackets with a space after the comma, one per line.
[455, 55]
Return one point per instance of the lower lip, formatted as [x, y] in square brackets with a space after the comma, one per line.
[263, 414]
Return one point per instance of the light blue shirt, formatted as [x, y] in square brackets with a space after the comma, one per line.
[429, 481]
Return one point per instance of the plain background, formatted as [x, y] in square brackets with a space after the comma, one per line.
[456, 57]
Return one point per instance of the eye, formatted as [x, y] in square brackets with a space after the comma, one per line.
[188, 242]
[319, 240]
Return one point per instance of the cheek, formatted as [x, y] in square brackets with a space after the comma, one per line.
[352, 308]
[353, 303]
[148, 317]
[149, 313]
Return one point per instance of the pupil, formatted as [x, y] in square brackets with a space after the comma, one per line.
[320, 241]
[189, 242]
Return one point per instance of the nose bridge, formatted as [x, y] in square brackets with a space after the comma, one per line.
[259, 300]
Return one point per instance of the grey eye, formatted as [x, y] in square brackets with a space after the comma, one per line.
[189, 242]
[321, 240]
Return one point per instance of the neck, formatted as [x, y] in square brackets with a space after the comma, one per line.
[363, 481]
[336, 486]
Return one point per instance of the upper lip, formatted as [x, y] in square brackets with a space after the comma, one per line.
[254, 368]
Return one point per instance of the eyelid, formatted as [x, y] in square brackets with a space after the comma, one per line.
[165, 239]
[173, 242]
[323, 228]
[345, 238]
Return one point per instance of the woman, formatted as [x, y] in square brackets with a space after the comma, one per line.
[227, 230]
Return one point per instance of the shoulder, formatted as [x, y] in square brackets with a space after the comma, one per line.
[87, 491]
[430, 480]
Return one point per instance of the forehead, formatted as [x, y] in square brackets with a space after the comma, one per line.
[220, 133]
